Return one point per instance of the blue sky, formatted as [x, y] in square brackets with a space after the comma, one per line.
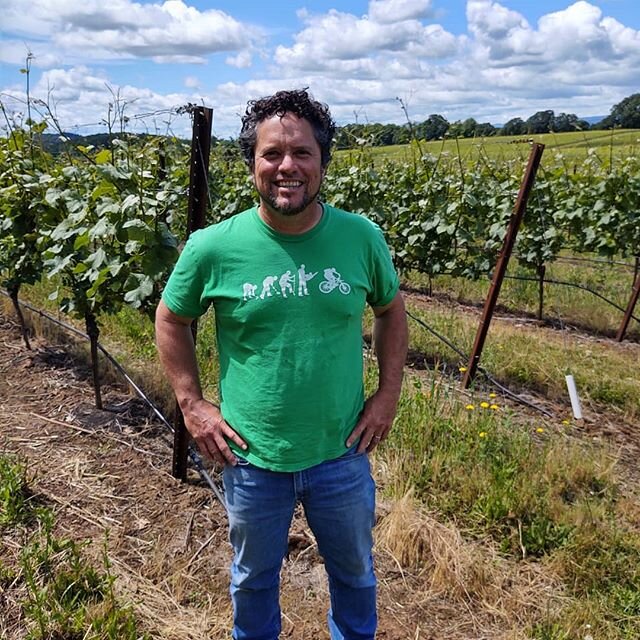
[477, 58]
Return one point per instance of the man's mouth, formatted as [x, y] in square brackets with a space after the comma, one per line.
[288, 184]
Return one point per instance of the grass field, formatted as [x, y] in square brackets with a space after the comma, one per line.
[573, 147]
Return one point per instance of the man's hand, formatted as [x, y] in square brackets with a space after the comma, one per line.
[390, 344]
[178, 356]
[209, 429]
[374, 423]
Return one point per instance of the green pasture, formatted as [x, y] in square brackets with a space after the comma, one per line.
[581, 292]
[574, 147]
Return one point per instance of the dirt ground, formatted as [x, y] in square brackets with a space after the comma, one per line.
[106, 475]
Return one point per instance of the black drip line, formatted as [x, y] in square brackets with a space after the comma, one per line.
[193, 454]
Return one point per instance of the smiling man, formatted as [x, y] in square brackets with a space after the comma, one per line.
[293, 424]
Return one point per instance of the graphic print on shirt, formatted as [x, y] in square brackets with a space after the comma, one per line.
[333, 279]
[267, 287]
[248, 291]
[303, 278]
[286, 284]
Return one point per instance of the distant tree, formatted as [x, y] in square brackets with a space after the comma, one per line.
[514, 127]
[568, 122]
[401, 135]
[434, 127]
[485, 129]
[469, 128]
[540, 122]
[455, 129]
[625, 114]
[387, 134]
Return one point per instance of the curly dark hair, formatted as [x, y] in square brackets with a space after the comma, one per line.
[298, 102]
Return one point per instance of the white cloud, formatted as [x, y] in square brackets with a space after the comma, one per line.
[364, 45]
[79, 97]
[16, 51]
[388, 11]
[98, 30]
[241, 61]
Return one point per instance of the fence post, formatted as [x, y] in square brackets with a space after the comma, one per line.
[198, 192]
[503, 261]
[629, 312]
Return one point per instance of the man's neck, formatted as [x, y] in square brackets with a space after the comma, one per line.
[293, 225]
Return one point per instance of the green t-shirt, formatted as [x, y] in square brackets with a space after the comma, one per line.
[288, 312]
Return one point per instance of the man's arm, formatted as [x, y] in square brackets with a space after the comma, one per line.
[390, 339]
[178, 356]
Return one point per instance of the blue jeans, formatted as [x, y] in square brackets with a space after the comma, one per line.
[338, 497]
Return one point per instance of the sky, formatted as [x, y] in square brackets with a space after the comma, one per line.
[492, 61]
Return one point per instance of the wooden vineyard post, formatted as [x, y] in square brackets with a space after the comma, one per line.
[503, 261]
[198, 192]
[629, 312]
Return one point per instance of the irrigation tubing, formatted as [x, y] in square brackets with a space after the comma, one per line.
[600, 261]
[572, 284]
[193, 454]
[483, 371]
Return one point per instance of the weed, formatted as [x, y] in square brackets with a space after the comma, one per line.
[64, 597]
[16, 501]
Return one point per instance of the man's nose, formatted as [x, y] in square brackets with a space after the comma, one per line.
[287, 163]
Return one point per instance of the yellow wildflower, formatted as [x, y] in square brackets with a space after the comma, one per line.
[470, 407]
[484, 405]
[482, 434]
[462, 369]
[566, 422]
[495, 407]
[493, 395]
[539, 430]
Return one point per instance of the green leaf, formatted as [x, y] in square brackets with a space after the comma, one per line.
[101, 229]
[102, 157]
[130, 202]
[97, 258]
[81, 241]
[137, 296]
[52, 196]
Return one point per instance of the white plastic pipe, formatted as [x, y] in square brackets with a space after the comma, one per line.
[575, 400]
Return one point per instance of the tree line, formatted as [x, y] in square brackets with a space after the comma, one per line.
[625, 115]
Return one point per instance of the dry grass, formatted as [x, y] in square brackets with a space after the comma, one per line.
[164, 614]
[499, 596]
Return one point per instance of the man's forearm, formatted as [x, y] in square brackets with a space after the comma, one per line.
[178, 357]
[390, 335]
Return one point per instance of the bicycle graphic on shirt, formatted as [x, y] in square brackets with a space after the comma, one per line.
[333, 279]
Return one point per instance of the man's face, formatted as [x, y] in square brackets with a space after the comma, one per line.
[288, 169]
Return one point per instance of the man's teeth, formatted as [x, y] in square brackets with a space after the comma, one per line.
[289, 183]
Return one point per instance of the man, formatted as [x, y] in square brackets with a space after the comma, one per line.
[293, 425]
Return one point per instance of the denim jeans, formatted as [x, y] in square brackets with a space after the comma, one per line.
[338, 497]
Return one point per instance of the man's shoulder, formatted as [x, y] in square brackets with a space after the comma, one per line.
[236, 224]
[354, 223]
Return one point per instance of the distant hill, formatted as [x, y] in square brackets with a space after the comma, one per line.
[55, 143]
[594, 119]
